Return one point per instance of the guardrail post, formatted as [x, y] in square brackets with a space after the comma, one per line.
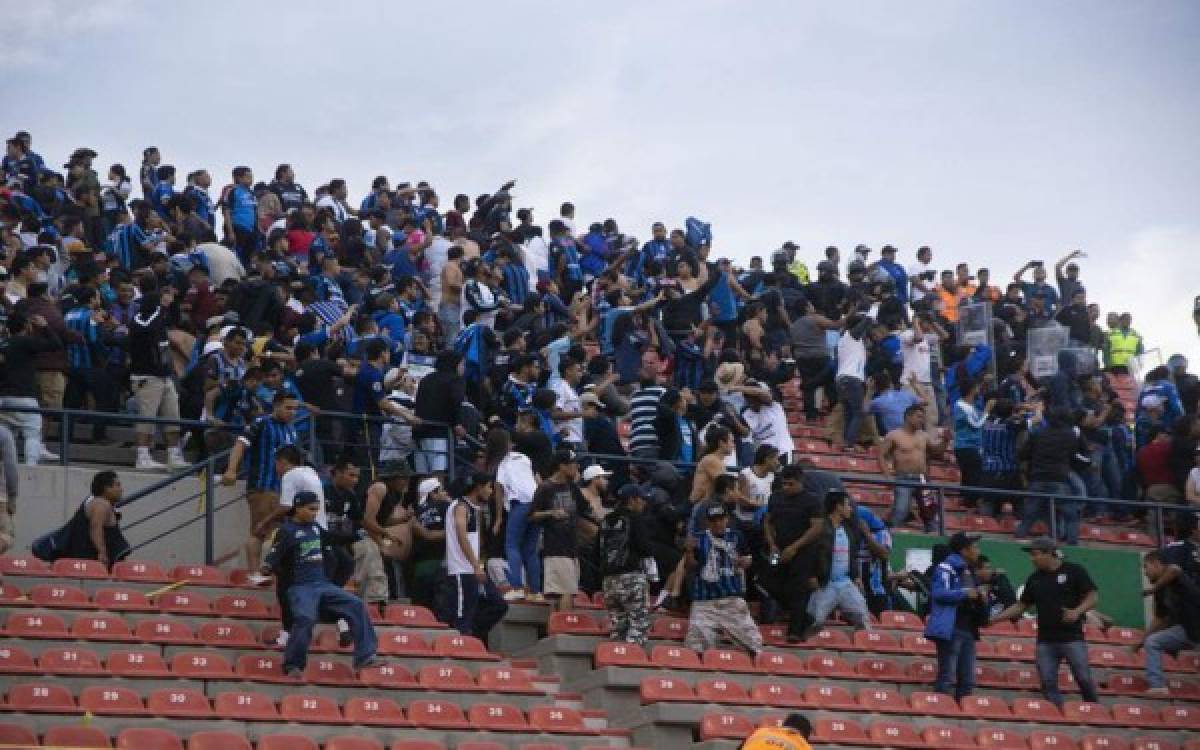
[1160, 532]
[64, 430]
[941, 512]
[210, 499]
[451, 454]
[312, 439]
[1054, 518]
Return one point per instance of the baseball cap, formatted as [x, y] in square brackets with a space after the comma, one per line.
[594, 471]
[629, 491]
[1177, 360]
[888, 249]
[1041, 544]
[305, 498]
[961, 540]
[716, 511]
[427, 487]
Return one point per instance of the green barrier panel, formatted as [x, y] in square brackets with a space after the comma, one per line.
[1117, 572]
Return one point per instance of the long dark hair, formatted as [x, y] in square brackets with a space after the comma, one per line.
[496, 445]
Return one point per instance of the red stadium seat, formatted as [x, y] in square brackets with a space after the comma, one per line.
[1082, 712]
[877, 668]
[1022, 677]
[122, 600]
[262, 667]
[16, 660]
[620, 655]
[1027, 626]
[669, 629]
[915, 643]
[409, 745]
[1004, 628]
[657, 689]
[721, 691]
[882, 700]
[840, 732]
[218, 741]
[310, 709]
[947, 738]
[780, 694]
[243, 705]
[226, 635]
[986, 707]
[24, 566]
[35, 625]
[37, 697]
[353, 743]
[728, 660]
[101, 628]
[829, 697]
[139, 570]
[145, 738]
[410, 615]
[15, 735]
[1135, 715]
[675, 657]
[891, 620]
[1107, 656]
[461, 647]
[829, 666]
[1018, 649]
[436, 714]
[775, 662]
[1179, 715]
[505, 680]
[178, 703]
[200, 575]
[574, 623]
[448, 677]
[389, 676]
[725, 726]
[238, 605]
[895, 734]
[1124, 636]
[1042, 739]
[496, 717]
[557, 719]
[1102, 742]
[11, 596]
[1126, 684]
[70, 661]
[834, 640]
[74, 737]
[483, 745]
[286, 742]
[934, 704]
[69, 567]
[375, 711]
[201, 665]
[164, 630]
[403, 644]
[184, 603]
[59, 595]
[921, 671]
[1001, 739]
[1036, 710]
[1153, 743]
[326, 671]
[111, 700]
[878, 641]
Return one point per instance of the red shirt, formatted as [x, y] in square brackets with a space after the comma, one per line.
[1153, 463]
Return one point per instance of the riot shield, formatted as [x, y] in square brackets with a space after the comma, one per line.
[1144, 363]
[1044, 345]
[975, 324]
[1087, 359]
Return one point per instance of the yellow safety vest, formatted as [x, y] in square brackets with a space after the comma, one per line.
[800, 271]
[1122, 346]
[776, 738]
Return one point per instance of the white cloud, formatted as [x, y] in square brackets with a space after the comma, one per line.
[42, 33]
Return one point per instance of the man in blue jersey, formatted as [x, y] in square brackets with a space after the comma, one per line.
[198, 183]
[717, 557]
[164, 191]
[259, 442]
[241, 213]
[87, 358]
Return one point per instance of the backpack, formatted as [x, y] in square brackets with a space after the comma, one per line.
[615, 554]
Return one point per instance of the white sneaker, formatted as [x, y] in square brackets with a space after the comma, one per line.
[147, 463]
[281, 639]
[1158, 692]
[175, 459]
[514, 595]
[46, 457]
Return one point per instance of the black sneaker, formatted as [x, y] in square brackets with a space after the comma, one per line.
[296, 673]
[374, 661]
[345, 639]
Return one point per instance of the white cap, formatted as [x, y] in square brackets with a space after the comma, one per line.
[594, 471]
[427, 487]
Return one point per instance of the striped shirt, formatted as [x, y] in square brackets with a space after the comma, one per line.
[717, 576]
[262, 438]
[998, 446]
[516, 283]
[331, 291]
[79, 355]
[643, 407]
[126, 244]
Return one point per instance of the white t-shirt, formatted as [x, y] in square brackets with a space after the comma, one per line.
[769, 425]
[914, 272]
[456, 559]
[760, 487]
[916, 357]
[437, 254]
[537, 256]
[303, 479]
[515, 475]
[567, 400]
[1193, 481]
[852, 357]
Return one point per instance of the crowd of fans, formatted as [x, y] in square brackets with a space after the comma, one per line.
[613, 410]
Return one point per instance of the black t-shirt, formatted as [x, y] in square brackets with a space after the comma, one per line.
[342, 502]
[1186, 556]
[316, 380]
[1053, 591]
[537, 447]
[431, 515]
[791, 516]
[558, 537]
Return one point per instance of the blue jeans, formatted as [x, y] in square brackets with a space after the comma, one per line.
[1172, 640]
[306, 601]
[521, 548]
[1038, 509]
[850, 392]
[902, 501]
[956, 664]
[1050, 655]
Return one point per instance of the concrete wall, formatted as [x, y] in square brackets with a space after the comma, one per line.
[49, 495]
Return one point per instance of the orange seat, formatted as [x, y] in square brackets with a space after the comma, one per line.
[775, 662]
[200, 575]
[1042, 739]
[24, 566]
[574, 623]
[1001, 739]
[986, 707]
[226, 635]
[675, 657]
[218, 741]
[101, 628]
[17, 736]
[829, 697]
[878, 641]
[461, 647]
[496, 717]
[410, 615]
[179, 602]
[37, 697]
[781, 694]
[1102, 742]
[390, 676]
[262, 667]
[244, 705]
[1036, 710]
[669, 629]
[448, 677]
[59, 595]
[403, 644]
[1082, 712]
[164, 630]
[436, 714]
[556, 719]
[656, 689]
[505, 680]
[620, 655]
[179, 703]
[113, 700]
[35, 625]
[353, 743]
[840, 732]
[70, 661]
[77, 737]
[236, 605]
[947, 738]
[879, 669]
[70, 567]
[310, 709]
[727, 660]
[11, 596]
[725, 726]
[201, 665]
[829, 666]
[375, 711]
[145, 738]
[882, 700]
[139, 570]
[934, 704]
[122, 600]
[721, 691]
[16, 660]
[326, 671]
[895, 734]
[286, 742]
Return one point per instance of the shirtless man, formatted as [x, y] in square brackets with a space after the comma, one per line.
[450, 306]
[904, 455]
[719, 445]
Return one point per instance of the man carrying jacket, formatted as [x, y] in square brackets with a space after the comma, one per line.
[623, 548]
[953, 622]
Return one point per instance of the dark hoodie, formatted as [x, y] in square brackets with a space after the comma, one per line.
[1063, 388]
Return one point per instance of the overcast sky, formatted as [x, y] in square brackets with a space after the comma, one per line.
[995, 132]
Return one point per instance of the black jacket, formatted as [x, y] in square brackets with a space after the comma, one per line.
[438, 399]
[639, 540]
[669, 437]
[148, 344]
[822, 549]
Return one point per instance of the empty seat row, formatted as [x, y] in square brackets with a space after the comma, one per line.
[901, 734]
[127, 570]
[206, 665]
[884, 700]
[186, 703]
[873, 668]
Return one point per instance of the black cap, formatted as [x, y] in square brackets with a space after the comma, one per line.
[305, 498]
[630, 491]
[1041, 544]
[961, 540]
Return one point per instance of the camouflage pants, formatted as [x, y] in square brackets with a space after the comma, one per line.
[731, 615]
[625, 599]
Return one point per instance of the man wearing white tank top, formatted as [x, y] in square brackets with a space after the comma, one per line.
[473, 604]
